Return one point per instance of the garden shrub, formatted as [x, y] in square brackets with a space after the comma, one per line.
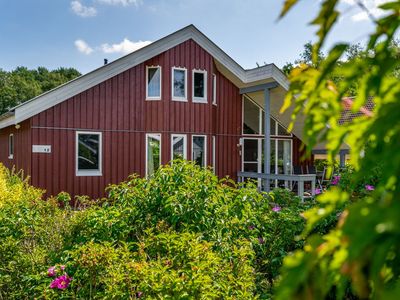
[182, 233]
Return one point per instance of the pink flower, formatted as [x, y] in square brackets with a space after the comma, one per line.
[61, 282]
[62, 267]
[318, 191]
[369, 187]
[261, 240]
[51, 272]
[335, 180]
[276, 209]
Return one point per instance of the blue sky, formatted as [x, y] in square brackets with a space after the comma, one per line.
[80, 33]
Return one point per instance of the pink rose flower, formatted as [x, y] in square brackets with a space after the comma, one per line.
[61, 282]
[51, 272]
[369, 187]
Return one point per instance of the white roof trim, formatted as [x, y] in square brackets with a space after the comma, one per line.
[51, 98]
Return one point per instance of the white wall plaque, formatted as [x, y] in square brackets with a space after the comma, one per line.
[41, 149]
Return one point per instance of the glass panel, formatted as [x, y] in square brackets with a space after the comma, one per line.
[284, 157]
[179, 83]
[282, 131]
[199, 85]
[272, 124]
[250, 150]
[178, 146]
[153, 153]
[154, 82]
[199, 146]
[250, 167]
[11, 145]
[251, 124]
[272, 162]
[88, 152]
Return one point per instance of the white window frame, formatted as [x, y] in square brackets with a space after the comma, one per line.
[214, 95]
[205, 148]
[214, 159]
[173, 97]
[11, 149]
[148, 98]
[184, 136]
[261, 124]
[97, 172]
[200, 99]
[152, 135]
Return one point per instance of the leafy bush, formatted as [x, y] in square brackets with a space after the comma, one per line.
[182, 233]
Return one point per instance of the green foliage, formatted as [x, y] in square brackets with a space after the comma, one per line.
[182, 233]
[22, 84]
[31, 234]
[358, 258]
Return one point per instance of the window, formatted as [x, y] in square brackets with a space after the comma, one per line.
[199, 149]
[214, 159]
[179, 83]
[281, 157]
[199, 86]
[251, 117]
[11, 146]
[214, 89]
[88, 153]
[153, 153]
[253, 120]
[178, 146]
[153, 83]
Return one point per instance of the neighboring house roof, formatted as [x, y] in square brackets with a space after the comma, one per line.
[225, 63]
[348, 115]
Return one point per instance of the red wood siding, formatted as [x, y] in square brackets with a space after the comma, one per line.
[22, 147]
[117, 108]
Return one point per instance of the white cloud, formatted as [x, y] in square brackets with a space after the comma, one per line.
[125, 47]
[83, 11]
[83, 47]
[371, 5]
[121, 2]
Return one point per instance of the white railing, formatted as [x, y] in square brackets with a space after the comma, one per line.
[300, 179]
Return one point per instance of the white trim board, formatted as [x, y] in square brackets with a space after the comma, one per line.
[51, 98]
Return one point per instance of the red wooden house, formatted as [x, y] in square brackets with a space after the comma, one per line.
[181, 96]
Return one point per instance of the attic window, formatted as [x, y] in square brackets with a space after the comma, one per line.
[199, 86]
[153, 83]
[179, 86]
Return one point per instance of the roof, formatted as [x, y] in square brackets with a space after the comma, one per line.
[348, 115]
[237, 74]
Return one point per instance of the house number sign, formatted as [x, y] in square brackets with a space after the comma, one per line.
[41, 149]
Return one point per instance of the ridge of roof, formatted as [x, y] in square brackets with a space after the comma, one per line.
[69, 89]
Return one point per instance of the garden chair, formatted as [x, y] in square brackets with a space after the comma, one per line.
[325, 179]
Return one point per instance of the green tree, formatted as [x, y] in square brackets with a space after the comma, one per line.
[23, 84]
[361, 255]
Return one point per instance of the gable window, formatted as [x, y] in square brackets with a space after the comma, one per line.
[88, 153]
[251, 117]
[153, 153]
[199, 86]
[153, 83]
[214, 101]
[179, 84]
[199, 147]
[11, 146]
[253, 121]
[178, 146]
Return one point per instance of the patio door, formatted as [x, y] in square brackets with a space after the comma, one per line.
[281, 158]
